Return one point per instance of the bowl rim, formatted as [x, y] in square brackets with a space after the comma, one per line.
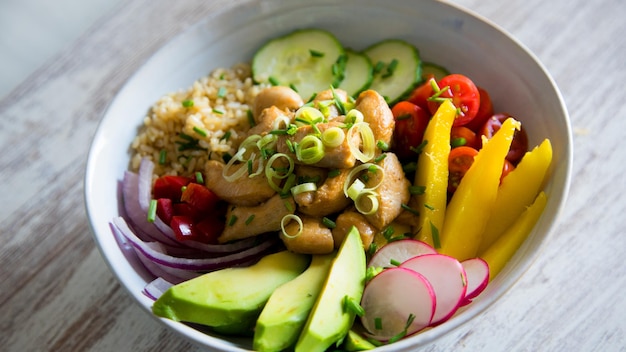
[504, 283]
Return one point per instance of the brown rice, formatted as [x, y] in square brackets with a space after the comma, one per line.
[212, 127]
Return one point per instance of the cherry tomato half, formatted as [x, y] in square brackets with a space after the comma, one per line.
[411, 121]
[485, 111]
[420, 95]
[463, 136]
[464, 95]
[459, 161]
[519, 145]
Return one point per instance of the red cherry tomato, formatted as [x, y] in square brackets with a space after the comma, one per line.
[411, 121]
[170, 187]
[519, 145]
[506, 169]
[485, 111]
[420, 95]
[459, 161]
[464, 95]
[463, 136]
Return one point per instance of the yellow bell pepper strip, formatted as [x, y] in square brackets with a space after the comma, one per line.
[431, 176]
[472, 203]
[503, 249]
[517, 191]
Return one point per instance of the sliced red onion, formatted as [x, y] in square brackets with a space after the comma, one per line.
[199, 264]
[146, 167]
[156, 288]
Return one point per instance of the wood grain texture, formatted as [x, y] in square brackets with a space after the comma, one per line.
[58, 295]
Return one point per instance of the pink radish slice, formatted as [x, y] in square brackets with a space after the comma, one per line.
[391, 297]
[399, 251]
[477, 271]
[448, 279]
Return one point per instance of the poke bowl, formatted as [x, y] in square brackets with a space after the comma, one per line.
[236, 45]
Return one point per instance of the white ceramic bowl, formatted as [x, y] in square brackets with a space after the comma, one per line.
[444, 33]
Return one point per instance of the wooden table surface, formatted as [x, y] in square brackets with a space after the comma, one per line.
[57, 294]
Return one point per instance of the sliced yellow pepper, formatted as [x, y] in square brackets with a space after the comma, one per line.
[432, 174]
[517, 191]
[503, 249]
[472, 202]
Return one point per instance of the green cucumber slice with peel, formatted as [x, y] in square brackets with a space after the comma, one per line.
[358, 73]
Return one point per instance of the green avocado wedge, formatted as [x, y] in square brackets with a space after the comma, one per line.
[329, 322]
[230, 297]
[286, 312]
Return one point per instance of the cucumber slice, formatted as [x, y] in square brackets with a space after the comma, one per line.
[358, 73]
[397, 68]
[429, 68]
[302, 60]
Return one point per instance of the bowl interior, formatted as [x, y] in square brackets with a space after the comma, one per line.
[445, 34]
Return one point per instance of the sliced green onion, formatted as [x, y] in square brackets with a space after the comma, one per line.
[328, 223]
[435, 233]
[394, 262]
[354, 116]
[315, 53]
[310, 150]
[273, 81]
[391, 68]
[340, 107]
[428, 206]
[232, 220]
[417, 190]
[333, 137]
[291, 181]
[365, 150]
[367, 203]
[372, 271]
[152, 210]
[458, 142]
[250, 118]
[388, 232]
[308, 115]
[380, 158]
[288, 218]
[221, 92]
[354, 174]
[378, 323]
[409, 209]
[334, 173]
[304, 187]
[271, 173]
[382, 145]
[230, 177]
[293, 87]
[288, 205]
[351, 305]
[199, 177]
[226, 136]
[355, 189]
[217, 111]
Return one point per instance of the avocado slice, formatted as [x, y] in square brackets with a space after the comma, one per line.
[329, 322]
[355, 342]
[286, 312]
[230, 297]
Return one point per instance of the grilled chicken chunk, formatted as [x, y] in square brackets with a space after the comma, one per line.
[283, 98]
[327, 199]
[377, 114]
[350, 218]
[244, 191]
[244, 222]
[314, 239]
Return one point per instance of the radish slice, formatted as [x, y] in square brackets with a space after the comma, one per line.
[477, 271]
[391, 297]
[448, 279]
[400, 251]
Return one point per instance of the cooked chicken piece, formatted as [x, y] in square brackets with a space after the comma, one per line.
[325, 100]
[377, 114]
[269, 120]
[314, 239]
[244, 222]
[392, 192]
[244, 191]
[284, 98]
[340, 157]
[327, 199]
[350, 218]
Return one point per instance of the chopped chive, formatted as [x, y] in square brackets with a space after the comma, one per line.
[391, 68]
[350, 305]
[394, 262]
[382, 145]
[290, 146]
[340, 106]
[372, 249]
[409, 167]
[334, 173]
[293, 87]
[378, 323]
[403, 117]
[232, 220]
[226, 136]
[379, 67]
[250, 171]
[288, 206]
[162, 156]
[316, 53]
[403, 333]
[250, 118]
[199, 177]
[328, 223]
[199, 131]
[420, 147]
[380, 158]
[435, 233]
[187, 103]
[458, 142]
[217, 111]
[186, 137]
[273, 81]
[249, 219]
[226, 157]
[221, 92]
[417, 190]
[428, 206]
[372, 271]
[152, 210]
[183, 189]
[410, 210]
[388, 232]
[313, 96]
